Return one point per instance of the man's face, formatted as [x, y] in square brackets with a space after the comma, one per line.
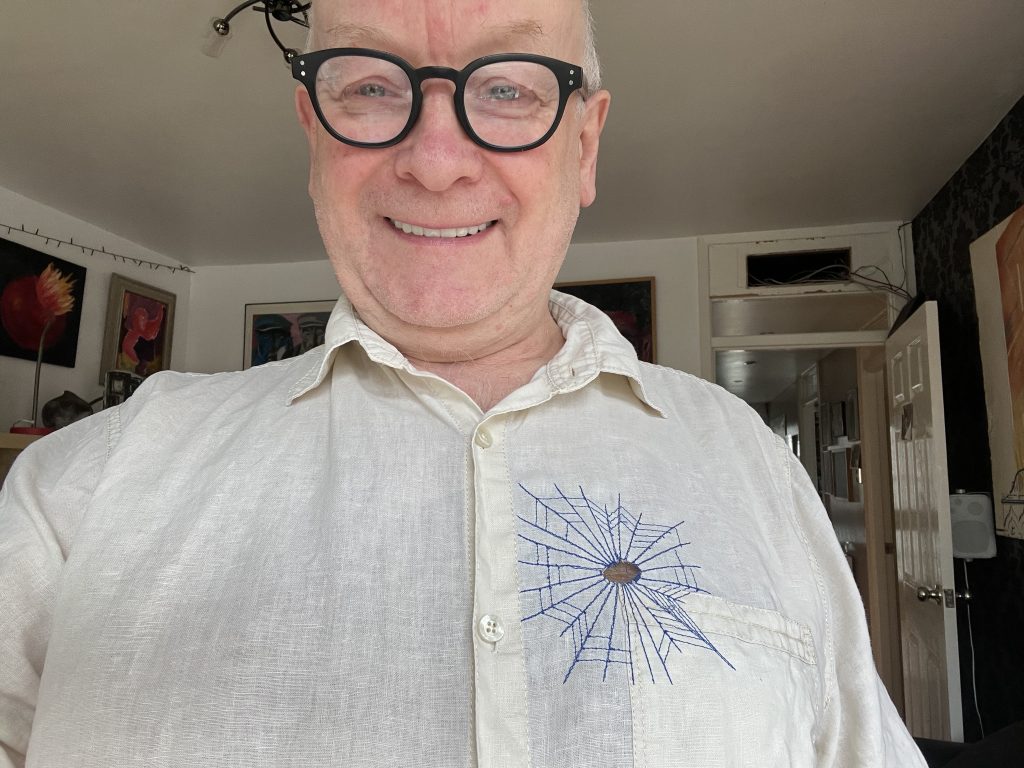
[437, 178]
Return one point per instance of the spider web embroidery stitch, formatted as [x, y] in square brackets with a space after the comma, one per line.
[616, 583]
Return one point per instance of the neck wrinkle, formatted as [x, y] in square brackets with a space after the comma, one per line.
[490, 378]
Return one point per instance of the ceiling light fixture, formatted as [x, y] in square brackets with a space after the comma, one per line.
[272, 10]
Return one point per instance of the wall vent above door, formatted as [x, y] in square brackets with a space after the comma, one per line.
[830, 265]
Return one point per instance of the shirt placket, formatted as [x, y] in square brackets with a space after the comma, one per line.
[502, 738]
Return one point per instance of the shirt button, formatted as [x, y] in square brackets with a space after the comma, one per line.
[490, 629]
[483, 438]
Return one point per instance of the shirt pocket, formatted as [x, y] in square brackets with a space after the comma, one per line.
[748, 696]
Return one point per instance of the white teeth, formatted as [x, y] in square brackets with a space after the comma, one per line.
[412, 229]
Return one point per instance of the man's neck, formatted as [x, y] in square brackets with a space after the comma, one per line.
[491, 376]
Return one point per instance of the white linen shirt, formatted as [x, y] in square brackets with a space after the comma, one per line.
[339, 560]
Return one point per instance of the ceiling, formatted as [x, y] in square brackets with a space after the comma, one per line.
[727, 116]
[764, 375]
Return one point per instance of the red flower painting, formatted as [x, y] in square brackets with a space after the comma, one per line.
[40, 300]
[34, 308]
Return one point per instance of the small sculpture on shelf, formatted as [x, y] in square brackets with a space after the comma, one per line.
[65, 409]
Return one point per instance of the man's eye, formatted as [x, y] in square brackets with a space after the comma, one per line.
[375, 90]
[505, 92]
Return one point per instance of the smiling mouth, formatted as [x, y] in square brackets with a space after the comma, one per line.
[448, 232]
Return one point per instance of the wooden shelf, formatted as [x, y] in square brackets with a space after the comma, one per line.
[15, 442]
[842, 445]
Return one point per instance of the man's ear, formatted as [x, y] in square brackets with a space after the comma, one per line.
[307, 117]
[309, 123]
[590, 137]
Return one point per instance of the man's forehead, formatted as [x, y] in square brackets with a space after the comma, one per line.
[475, 26]
[347, 32]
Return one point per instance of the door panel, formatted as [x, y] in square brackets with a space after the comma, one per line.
[924, 551]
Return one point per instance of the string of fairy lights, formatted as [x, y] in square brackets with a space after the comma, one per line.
[92, 251]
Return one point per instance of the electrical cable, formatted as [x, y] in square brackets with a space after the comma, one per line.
[970, 635]
[801, 278]
[903, 252]
[855, 276]
[876, 268]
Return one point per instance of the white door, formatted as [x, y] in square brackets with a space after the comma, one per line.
[924, 549]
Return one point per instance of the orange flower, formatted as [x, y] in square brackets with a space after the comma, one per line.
[53, 290]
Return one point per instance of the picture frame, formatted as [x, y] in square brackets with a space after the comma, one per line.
[118, 387]
[997, 270]
[629, 302]
[23, 319]
[139, 328]
[278, 331]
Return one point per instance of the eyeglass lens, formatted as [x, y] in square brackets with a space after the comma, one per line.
[507, 104]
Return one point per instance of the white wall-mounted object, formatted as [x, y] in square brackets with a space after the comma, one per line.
[974, 532]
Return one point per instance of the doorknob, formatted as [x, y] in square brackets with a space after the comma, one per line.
[939, 595]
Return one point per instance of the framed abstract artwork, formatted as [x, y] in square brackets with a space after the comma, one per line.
[283, 330]
[997, 264]
[629, 302]
[139, 328]
[40, 304]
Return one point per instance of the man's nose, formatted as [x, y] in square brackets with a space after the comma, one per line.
[438, 153]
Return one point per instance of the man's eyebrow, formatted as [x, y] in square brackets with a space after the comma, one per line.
[530, 28]
[345, 34]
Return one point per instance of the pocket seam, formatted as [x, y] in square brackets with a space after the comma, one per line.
[793, 638]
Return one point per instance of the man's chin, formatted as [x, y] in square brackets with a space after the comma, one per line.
[445, 311]
[441, 316]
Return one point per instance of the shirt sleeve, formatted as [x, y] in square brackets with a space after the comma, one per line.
[43, 497]
[860, 725]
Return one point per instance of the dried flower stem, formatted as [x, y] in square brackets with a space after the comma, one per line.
[39, 365]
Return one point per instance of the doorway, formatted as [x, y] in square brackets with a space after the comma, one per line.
[829, 405]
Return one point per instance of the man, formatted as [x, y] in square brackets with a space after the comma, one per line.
[517, 546]
[273, 339]
[312, 327]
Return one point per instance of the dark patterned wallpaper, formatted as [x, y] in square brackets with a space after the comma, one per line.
[986, 189]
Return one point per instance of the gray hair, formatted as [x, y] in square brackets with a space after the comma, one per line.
[591, 64]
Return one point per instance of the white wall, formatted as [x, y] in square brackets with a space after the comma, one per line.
[16, 376]
[219, 296]
[673, 263]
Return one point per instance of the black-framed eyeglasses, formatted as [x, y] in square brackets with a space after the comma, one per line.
[508, 102]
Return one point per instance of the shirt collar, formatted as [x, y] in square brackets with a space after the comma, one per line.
[343, 327]
[593, 345]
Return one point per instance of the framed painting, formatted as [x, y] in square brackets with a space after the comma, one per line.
[997, 264]
[139, 328]
[283, 330]
[40, 303]
[629, 302]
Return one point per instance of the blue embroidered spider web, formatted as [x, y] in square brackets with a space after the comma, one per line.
[568, 543]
